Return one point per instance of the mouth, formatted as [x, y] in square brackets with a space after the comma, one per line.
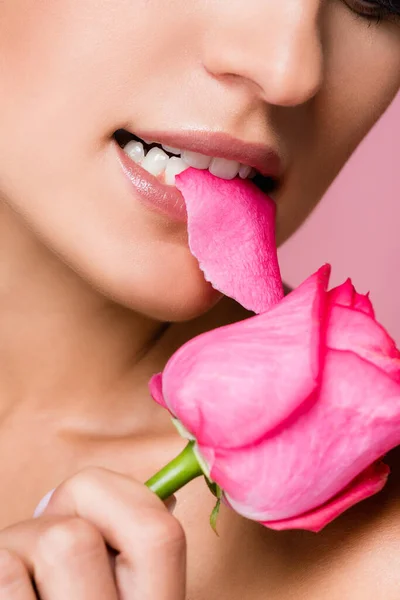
[164, 161]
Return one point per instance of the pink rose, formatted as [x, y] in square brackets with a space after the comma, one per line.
[291, 409]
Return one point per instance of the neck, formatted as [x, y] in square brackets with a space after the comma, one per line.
[62, 344]
[69, 352]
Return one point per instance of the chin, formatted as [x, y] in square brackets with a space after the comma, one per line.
[181, 307]
[177, 302]
[166, 287]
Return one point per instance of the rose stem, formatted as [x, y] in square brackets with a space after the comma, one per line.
[177, 473]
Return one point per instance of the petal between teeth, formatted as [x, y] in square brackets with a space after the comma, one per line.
[157, 162]
[175, 166]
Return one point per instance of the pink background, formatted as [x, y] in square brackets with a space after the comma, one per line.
[356, 226]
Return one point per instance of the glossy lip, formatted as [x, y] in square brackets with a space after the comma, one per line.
[261, 157]
[159, 197]
[167, 199]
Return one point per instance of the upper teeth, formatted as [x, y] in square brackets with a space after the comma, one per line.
[157, 162]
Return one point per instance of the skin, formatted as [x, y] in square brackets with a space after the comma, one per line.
[89, 277]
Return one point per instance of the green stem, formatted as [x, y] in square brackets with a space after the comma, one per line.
[177, 473]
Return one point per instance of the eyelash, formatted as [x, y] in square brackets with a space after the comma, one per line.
[377, 16]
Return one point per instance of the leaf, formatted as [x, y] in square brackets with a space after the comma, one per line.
[217, 491]
[214, 516]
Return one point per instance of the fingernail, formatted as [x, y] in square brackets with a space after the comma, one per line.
[171, 504]
[41, 507]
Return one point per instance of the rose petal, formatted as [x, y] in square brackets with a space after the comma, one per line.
[346, 295]
[356, 331]
[155, 387]
[364, 304]
[355, 421]
[368, 483]
[342, 294]
[231, 227]
[230, 386]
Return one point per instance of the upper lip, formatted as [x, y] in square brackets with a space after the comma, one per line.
[262, 157]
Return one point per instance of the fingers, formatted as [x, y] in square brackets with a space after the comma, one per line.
[67, 558]
[15, 582]
[150, 543]
[92, 516]
[72, 562]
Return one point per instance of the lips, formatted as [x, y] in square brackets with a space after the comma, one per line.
[263, 157]
[158, 197]
[231, 229]
[257, 161]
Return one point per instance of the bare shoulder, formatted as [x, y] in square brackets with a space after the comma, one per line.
[356, 557]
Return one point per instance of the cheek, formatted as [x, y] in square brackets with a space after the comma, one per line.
[80, 64]
[68, 87]
[162, 281]
[67, 82]
[362, 76]
[76, 71]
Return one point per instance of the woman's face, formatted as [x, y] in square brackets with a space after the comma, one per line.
[307, 77]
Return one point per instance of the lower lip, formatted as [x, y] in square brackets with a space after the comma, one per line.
[161, 198]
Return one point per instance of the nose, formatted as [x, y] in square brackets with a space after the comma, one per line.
[272, 45]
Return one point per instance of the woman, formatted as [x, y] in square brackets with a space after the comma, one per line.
[92, 273]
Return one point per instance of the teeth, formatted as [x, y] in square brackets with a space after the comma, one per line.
[196, 160]
[135, 151]
[171, 149]
[244, 171]
[174, 167]
[226, 169]
[155, 161]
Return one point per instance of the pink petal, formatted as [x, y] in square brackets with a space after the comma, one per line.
[230, 386]
[354, 421]
[231, 227]
[342, 294]
[368, 483]
[349, 329]
[346, 295]
[155, 387]
[364, 304]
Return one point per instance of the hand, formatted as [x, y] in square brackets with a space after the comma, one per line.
[63, 554]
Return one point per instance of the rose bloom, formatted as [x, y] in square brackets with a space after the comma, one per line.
[291, 409]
